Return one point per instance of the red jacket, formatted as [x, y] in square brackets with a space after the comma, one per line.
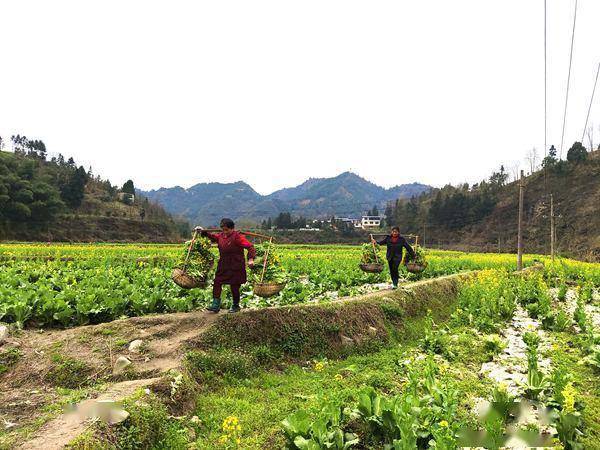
[231, 268]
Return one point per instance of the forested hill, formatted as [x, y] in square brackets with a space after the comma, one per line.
[55, 200]
[344, 195]
[484, 216]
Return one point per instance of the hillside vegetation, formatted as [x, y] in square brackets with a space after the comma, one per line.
[55, 199]
[344, 195]
[484, 216]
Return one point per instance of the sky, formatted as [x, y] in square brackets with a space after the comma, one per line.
[274, 92]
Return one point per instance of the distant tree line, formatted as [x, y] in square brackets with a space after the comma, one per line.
[284, 221]
[454, 207]
[34, 190]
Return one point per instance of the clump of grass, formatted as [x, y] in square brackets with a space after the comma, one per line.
[561, 295]
[121, 342]
[229, 363]
[493, 345]
[8, 359]
[149, 425]
[68, 372]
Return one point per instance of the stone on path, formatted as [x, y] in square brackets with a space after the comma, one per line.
[3, 333]
[135, 346]
[121, 364]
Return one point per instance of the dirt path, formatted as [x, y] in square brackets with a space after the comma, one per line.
[58, 432]
[31, 385]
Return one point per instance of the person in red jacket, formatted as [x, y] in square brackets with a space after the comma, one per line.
[231, 268]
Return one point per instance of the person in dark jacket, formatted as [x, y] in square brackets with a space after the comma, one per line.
[231, 268]
[395, 248]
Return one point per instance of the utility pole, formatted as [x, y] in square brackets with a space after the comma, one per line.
[520, 227]
[552, 229]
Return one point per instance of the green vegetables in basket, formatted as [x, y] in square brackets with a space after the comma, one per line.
[419, 256]
[368, 256]
[274, 272]
[201, 258]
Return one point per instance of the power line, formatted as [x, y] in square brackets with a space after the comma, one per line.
[562, 139]
[590, 107]
[545, 85]
[545, 93]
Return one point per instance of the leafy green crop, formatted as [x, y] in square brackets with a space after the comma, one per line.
[200, 260]
[368, 254]
[73, 284]
[274, 271]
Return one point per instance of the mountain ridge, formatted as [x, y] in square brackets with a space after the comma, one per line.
[346, 194]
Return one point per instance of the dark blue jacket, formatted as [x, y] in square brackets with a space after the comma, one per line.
[395, 249]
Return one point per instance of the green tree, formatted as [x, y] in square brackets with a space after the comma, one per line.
[128, 187]
[72, 192]
[577, 153]
[283, 221]
[498, 179]
[551, 159]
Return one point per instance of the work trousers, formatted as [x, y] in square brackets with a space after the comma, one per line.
[394, 264]
[235, 292]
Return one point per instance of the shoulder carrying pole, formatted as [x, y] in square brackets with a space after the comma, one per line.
[520, 226]
[374, 249]
[262, 276]
[187, 257]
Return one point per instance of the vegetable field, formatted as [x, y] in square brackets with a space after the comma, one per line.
[499, 360]
[67, 285]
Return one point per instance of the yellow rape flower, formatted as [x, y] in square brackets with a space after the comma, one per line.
[223, 439]
[231, 423]
[444, 424]
[338, 377]
[569, 395]
[319, 366]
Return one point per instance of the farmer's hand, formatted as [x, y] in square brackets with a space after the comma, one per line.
[373, 240]
[251, 263]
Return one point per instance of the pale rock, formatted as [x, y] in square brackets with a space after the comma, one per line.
[9, 425]
[135, 346]
[121, 364]
[347, 341]
[3, 333]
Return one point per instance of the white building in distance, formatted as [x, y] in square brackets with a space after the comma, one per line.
[370, 222]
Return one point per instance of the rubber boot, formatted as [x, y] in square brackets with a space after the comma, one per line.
[215, 306]
[235, 308]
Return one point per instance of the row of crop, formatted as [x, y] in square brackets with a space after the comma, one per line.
[46, 293]
[428, 412]
[104, 286]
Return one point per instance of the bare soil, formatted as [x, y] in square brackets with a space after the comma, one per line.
[31, 385]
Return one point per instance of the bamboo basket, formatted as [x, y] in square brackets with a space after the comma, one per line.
[186, 281]
[266, 290]
[416, 268]
[371, 268]
[375, 267]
